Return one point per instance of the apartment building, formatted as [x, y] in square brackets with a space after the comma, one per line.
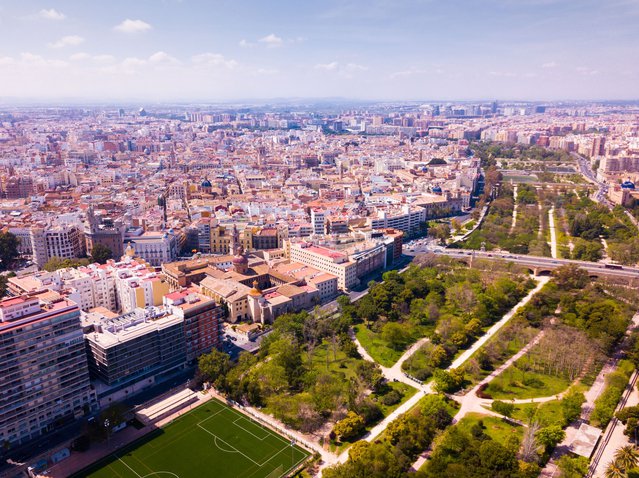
[203, 319]
[64, 241]
[44, 375]
[137, 286]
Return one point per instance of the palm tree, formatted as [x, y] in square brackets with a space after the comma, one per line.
[626, 457]
[614, 471]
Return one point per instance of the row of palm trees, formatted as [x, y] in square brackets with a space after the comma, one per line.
[626, 458]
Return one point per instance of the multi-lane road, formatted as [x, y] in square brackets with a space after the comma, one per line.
[540, 264]
[589, 174]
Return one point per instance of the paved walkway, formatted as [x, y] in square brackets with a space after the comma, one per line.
[395, 372]
[541, 281]
[470, 402]
[553, 233]
[514, 221]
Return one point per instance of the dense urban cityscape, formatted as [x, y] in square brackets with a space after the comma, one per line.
[319, 284]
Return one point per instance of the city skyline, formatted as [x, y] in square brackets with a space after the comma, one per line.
[407, 50]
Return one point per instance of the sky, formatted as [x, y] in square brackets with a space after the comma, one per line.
[228, 50]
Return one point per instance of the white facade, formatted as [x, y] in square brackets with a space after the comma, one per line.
[326, 260]
[154, 248]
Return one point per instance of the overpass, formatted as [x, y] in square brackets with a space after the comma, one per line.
[540, 265]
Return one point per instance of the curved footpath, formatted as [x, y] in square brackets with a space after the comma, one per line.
[395, 370]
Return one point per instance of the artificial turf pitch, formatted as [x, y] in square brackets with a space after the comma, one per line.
[212, 440]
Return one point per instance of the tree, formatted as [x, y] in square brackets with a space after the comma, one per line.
[56, 263]
[350, 427]
[440, 231]
[343, 301]
[529, 443]
[370, 374]
[214, 366]
[629, 416]
[396, 335]
[8, 249]
[570, 276]
[503, 408]
[101, 253]
[448, 381]
[550, 436]
[571, 406]
[626, 457]
[573, 467]
[614, 471]
[3, 284]
[497, 458]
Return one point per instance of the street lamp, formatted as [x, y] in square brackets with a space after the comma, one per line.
[106, 426]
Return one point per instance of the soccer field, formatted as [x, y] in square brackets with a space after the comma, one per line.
[211, 440]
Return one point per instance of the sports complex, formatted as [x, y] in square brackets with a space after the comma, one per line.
[211, 440]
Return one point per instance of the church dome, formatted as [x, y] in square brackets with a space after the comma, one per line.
[206, 184]
[240, 260]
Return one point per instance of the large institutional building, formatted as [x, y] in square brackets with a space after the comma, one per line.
[44, 377]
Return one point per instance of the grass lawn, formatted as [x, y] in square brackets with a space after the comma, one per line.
[376, 347]
[496, 428]
[547, 413]
[515, 383]
[211, 440]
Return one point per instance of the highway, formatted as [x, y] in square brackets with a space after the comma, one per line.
[534, 262]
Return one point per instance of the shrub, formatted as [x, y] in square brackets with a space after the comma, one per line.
[607, 402]
[503, 408]
[350, 427]
[391, 398]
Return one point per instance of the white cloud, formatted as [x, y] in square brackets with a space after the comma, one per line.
[550, 64]
[162, 57]
[332, 66]
[406, 73]
[213, 60]
[30, 59]
[132, 26]
[345, 71]
[78, 57]
[271, 40]
[68, 40]
[51, 14]
[6, 60]
[587, 71]
[352, 67]
[246, 44]
[103, 58]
